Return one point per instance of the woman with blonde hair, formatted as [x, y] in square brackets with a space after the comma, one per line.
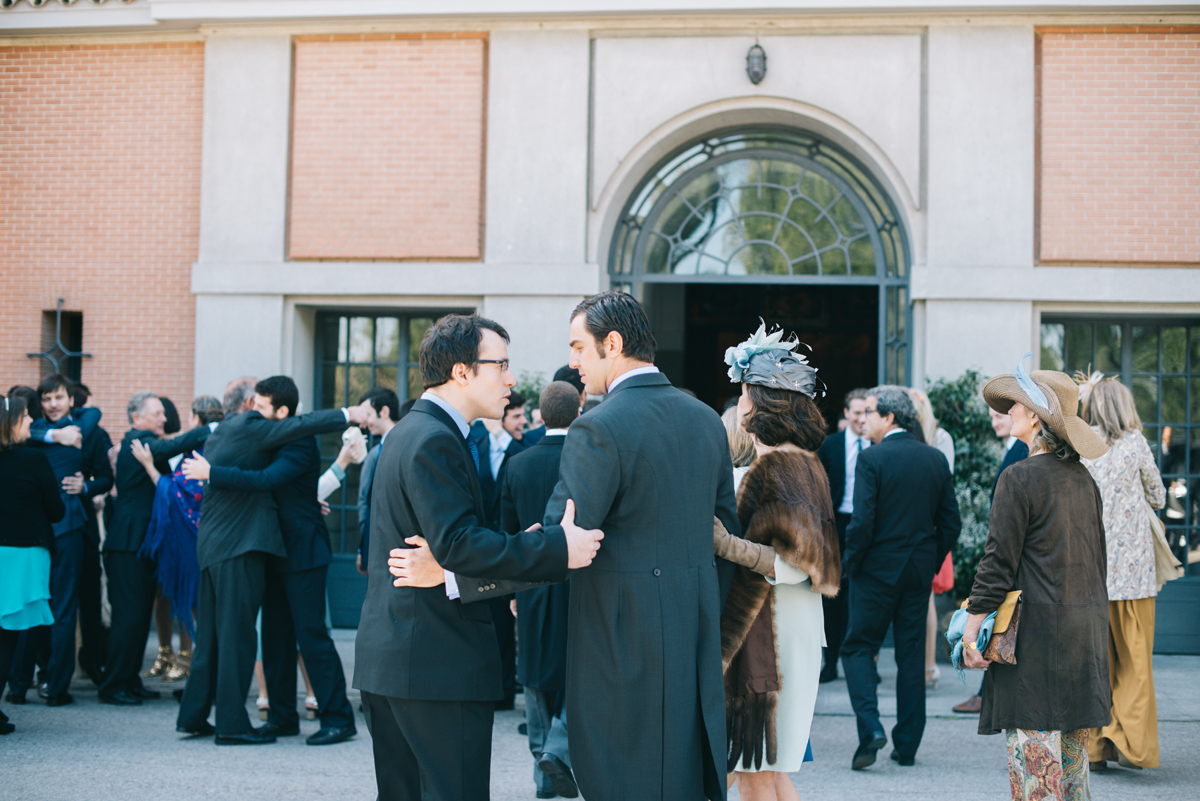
[741, 444]
[1132, 488]
[937, 437]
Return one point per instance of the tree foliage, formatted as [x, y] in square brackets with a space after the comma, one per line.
[531, 384]
[977, 453]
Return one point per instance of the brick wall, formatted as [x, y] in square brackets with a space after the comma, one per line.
[1119, 145]
[100, 205]
[387, 147]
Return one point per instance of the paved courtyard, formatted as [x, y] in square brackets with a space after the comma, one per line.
[118, 754]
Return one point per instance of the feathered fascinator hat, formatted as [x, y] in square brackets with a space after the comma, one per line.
[1053, 397]
[769, 361]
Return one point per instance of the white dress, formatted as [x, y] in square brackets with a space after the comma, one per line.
[799, 638]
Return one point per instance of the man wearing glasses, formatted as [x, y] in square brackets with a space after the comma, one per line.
[905, 521]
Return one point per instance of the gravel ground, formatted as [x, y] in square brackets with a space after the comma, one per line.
[102, 752]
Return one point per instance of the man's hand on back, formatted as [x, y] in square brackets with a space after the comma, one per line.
[415, 567]
[582, 543]
[70, 436]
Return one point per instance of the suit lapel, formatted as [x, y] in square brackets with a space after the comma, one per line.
[435, 411]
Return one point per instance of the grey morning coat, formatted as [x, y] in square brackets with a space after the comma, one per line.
[645, 696]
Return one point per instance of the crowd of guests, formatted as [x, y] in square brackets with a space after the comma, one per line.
[820, 545]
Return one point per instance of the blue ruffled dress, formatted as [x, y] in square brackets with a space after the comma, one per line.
[24, 588]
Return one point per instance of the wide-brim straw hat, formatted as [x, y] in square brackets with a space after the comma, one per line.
[1062, 394]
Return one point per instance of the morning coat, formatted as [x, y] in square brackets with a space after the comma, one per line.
[1046, 539]
[649, 466]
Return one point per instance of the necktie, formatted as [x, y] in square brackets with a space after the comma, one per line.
[474, 452]
[857, 445]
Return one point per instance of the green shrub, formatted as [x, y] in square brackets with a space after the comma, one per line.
[531, 384]
[977, 453]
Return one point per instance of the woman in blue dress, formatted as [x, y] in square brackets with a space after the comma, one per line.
[30, 504]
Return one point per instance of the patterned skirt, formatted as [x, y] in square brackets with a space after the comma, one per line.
[1050, 765]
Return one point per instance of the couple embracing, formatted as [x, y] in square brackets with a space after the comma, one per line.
[642, 478]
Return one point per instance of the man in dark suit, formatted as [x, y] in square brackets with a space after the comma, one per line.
[839, 455]
[428, 666]
[905, 522]
[1014, 451]
[97, 481]
[497, 442]
[53, 647]
[571, 376]
[650, 465]
[542, 611]
[293, 609]
[131, 583]
[239, 531]
[383, 412]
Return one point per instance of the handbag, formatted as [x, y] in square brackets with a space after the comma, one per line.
[1002, 645]
[1166, 566]
[944, 580]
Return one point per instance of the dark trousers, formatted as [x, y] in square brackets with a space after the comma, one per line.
[8, 648]
[231, 593]
[293, 613]
[546, 722]
[91, 626]
[873, 605]
[837, 609]
[53, 646]
[430, 750]
[506, 636]
[131, 589]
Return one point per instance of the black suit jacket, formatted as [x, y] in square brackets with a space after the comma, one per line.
[489, 486]
[291, 478]
[904, 509]
[650, 467]
[135, 490]
[832, 454]
[415, 643]
[541, 612]
[234, 522]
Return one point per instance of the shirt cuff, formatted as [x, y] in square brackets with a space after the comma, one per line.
[451, 585]
[346, 413]
[48, 437]
[337, 470]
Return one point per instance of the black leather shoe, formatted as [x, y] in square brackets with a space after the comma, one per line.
[7, 728]
[523, 729]
[559, 775]
[16, 699]
[546, 794]
[328, 735]
[271, 730]
[59, 700]
[204, 729]
[867, 748]
[121, 698]
[144, 694]
[827, 676]
[907, 762]
[251, 737]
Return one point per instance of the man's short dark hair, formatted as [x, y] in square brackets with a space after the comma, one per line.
[208, 409]
[281, 390]
[79, 397]
[515, 401]
[54, 382]
[559, 403]
[620, 312]
[570, 375]
[859, 393]
[173, 424]
[452, 340]
[382, 398]
[896, 401]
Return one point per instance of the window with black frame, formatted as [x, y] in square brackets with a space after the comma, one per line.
[355, 352]
[1159, 360]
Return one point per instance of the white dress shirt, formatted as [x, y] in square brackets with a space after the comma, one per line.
[647, 370]
[854, 445]
[498, 442]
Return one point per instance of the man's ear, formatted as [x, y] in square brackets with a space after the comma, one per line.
[459, 373]
[282, 412]
[614, 345]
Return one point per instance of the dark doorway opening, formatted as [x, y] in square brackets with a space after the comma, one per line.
[695, 323]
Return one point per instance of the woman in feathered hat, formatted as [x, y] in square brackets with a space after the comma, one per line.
[772, 628]
[1046, 539]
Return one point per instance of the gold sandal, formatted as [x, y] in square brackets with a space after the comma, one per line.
[162, 663]
[181, 667]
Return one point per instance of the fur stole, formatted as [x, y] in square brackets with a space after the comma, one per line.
[783, 502]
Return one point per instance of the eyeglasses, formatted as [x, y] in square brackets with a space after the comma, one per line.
[870, 411]
[502, 362]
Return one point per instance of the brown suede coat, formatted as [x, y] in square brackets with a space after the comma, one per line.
[783, 502]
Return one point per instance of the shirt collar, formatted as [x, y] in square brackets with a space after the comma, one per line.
[647, 370]
[501, 438]
[893, 431]
[1008, 445]
[455, 415]
[556, 432]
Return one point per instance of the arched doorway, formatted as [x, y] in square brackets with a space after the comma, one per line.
[769, 222]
